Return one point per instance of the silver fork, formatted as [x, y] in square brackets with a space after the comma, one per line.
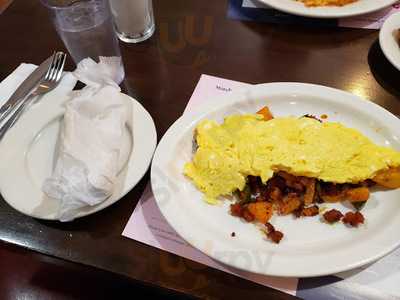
[49, 82]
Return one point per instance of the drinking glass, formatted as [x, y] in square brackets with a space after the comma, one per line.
[133, 19]
[86, 28]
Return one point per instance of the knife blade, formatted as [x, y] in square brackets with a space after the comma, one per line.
[25, 88]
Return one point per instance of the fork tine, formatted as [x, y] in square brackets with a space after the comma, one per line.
[61, 67]
[56, 66]
[52, 67]
[47, 75]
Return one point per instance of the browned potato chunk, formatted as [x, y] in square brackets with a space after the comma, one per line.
[331, 193]
[332, 198]
[310, 192]
[262, 211]
[289, 204]
[310, 211]
[388, 178]
[357, 194]
[275, 195]
[265, 112]
[292, 181]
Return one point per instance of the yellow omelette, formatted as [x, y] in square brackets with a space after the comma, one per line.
[247, 145]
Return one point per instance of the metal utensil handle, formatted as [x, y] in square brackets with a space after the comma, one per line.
[6, 110]
[15, 115]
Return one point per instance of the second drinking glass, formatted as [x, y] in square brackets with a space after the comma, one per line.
[133, 19]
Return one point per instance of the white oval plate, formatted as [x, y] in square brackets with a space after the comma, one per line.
[310, 247]
[357, 8]
[27, 157]
[388, 41]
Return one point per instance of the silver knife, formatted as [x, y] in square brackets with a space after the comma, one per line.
[24, 90]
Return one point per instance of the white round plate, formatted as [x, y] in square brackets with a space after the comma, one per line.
[353, 9]
[310, 247]
[28, 152]
[389, 41]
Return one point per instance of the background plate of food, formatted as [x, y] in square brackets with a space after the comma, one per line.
[303, 211]
[389, 39]
[328, 8]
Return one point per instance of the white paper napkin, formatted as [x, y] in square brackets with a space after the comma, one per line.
[91, 138]
[12, 81]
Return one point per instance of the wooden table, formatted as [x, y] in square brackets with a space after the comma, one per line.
[162, 73]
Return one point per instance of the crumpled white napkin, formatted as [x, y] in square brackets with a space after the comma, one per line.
[90, 140]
